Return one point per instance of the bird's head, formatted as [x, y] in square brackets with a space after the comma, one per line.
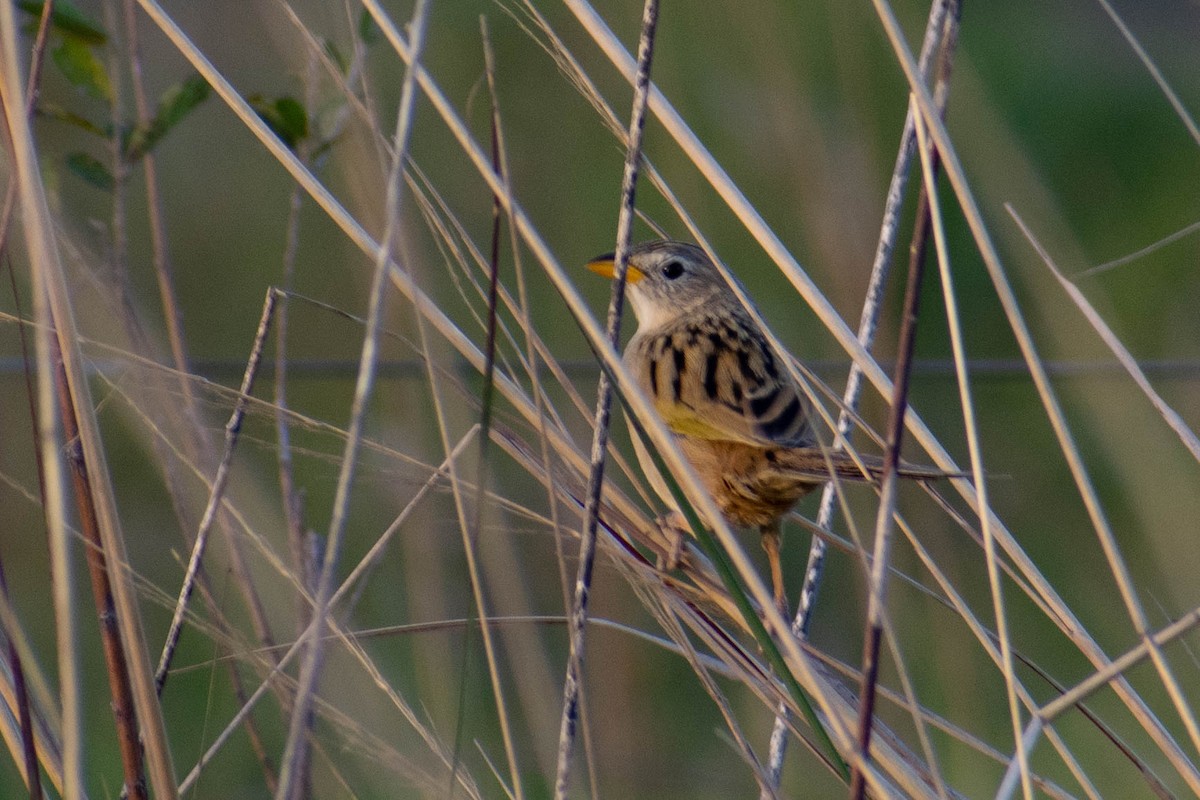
[665, 279]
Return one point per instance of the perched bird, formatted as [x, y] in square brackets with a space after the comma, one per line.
[737, 415]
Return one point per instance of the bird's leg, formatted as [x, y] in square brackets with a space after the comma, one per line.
[674, 528]
[772, 542]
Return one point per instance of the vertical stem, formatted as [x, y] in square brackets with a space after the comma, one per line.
[110, 635]
[289, 783]
[895, 433]
[291, 500]
[158, 233]
[587, 544]
[33, 778]
[936, 30]
[887, 502]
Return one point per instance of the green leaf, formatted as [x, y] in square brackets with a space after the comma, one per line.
[180, 99]
[175, 104]
[368, 31]
[79, 63]
[335, 55]
[294, 116]
[60, 114]
[67, 20]
[286, 116]
[91, 171]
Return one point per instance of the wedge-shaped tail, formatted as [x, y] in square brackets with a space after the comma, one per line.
[817, 463]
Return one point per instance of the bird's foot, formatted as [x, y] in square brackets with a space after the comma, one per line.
[674, 528]
[772, 542]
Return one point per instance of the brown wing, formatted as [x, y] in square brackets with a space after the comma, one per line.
[713, 376]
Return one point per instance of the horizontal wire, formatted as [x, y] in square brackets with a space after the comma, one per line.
[410, 369]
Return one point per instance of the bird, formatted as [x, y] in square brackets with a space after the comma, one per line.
[736, 413]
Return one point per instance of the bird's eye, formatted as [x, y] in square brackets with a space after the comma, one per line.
[672, 269]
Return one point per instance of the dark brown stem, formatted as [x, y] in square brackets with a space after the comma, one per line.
[114, 651]
[33, 777]
[891, 459]
[895, 430]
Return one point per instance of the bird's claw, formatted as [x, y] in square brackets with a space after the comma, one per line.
[674, 529]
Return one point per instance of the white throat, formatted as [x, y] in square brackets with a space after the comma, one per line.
[651, 314]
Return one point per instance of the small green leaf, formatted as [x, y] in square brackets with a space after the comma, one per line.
[175, 104]
[294, 116]
[335, 55]
[81, 66]
[91, 170]
[368, 31]
[56, 112]
[286, 116]
[67, 20]
[181, 98]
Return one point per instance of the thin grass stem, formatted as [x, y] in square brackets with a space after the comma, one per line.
[587, 543]
[1172, 96]
[954, 321]
[1110, 339]
[872, 308]
[232, 429]
[290, 782]
[884, 520]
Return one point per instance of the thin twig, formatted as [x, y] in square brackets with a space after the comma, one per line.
[302, 545]
[872, 308]
[1142, 252]
[534, 367]
[1126, 359]
[1172, 97]
[110, 633]
[217, 493]
[954, 319]
[487, 399]
[172, 314]
[290, 499]
[587, 543]
[880, 559]
[33, 777]
[289, 783]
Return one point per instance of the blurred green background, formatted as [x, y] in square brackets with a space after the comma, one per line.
[802, 103]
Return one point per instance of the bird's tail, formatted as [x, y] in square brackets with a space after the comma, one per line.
[817, 462]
